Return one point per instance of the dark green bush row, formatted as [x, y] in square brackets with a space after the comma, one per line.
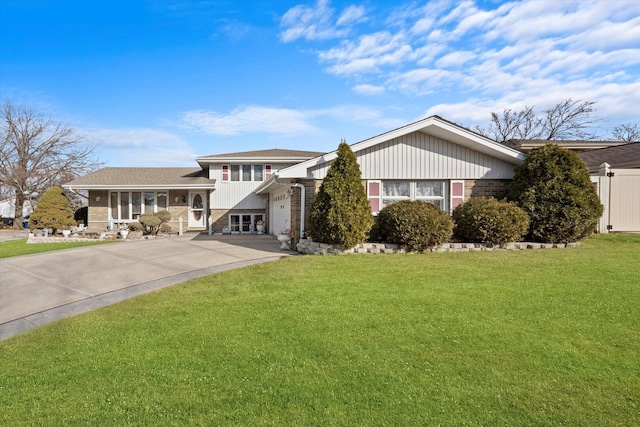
[415, 225]
[490, 221]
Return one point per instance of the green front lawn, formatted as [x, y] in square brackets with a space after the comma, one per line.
[19, 247]
[537, 337]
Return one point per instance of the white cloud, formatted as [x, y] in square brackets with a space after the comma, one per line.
[368, 54]
[351, 14]
[249, 119]
[140, 147]
[530, 52]
[317, 22]
[366, 89]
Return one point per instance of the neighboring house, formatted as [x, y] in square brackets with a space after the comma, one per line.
[526, 145]
[616, 173]
[8, 210]
[432, 160]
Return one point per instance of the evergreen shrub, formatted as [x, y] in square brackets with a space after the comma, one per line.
[340, 214]
[53, 211]
[554, 188]
[415, 225]
[491, 221]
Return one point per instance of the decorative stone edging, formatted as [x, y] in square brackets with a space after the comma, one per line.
[41, 239]
[307, 246]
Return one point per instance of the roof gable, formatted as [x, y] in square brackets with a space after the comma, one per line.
[435, 126]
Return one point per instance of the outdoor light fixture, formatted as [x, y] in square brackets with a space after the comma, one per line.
[97, 198]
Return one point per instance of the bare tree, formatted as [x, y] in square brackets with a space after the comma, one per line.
[515, 125]
[37, 153]
[628, 132]
[568, 119]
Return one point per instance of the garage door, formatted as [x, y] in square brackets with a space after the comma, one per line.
[280, 212]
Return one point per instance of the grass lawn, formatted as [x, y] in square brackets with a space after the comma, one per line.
[19, 247]
[544, 337]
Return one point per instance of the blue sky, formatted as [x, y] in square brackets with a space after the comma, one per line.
[157, 83]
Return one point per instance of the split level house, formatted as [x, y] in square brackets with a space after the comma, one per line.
[433, 160]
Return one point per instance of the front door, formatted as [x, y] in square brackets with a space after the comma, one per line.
[197, 210]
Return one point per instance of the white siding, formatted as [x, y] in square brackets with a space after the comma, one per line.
[237, 194]
[422, 156]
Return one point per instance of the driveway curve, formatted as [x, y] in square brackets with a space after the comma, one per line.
[41, 288]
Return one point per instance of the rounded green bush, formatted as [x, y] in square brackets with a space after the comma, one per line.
[150, 223]
[490, 221]
[554, 188]
[415, 225]
[165, 216]
[165, 228]
[135, 226]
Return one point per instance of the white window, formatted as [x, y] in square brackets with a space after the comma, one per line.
[426, 191]
[235, 172]
[257, 173]
[244, 223]
[244, 173]
[127, 206]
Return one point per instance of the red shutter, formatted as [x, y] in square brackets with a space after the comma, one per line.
[457, 194]
[373, 193]
[267, 171]
[225, 172]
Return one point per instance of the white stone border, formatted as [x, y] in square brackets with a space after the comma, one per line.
[306, 246]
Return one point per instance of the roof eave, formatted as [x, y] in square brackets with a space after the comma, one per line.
[138, 186]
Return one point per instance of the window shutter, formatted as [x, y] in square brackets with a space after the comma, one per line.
[225, 172]
[457, 194]
[267, 171]
[373, 193]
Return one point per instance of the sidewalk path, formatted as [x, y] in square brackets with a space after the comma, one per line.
[41, 288]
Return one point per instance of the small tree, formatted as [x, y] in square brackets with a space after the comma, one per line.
[341, 214]
[554, 189]
[53, 211]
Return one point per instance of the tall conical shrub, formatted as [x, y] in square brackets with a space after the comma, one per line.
[554, 188]
[52, 211]
[341, 214]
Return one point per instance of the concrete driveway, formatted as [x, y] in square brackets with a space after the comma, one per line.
[37, 289]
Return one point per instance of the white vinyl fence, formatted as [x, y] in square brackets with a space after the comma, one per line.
[619, 192]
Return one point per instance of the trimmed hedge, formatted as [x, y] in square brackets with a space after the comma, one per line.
[554, 188]
[135, 226]
[150, 223]
[415, 225]
[491, 221]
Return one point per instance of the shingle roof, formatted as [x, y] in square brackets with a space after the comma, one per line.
[576, 145]
[153, 177]
[272, 152]
[622, 156]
